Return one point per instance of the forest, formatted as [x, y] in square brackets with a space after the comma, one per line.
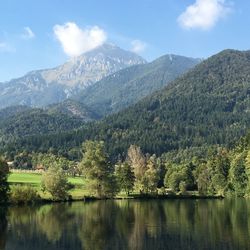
[209, 105]
[222, 172]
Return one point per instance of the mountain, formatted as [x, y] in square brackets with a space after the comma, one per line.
[12, 111]
[22, 121]
[119, 90]
[125, 87]
[43, 87]
[133, 83]
[208, 105]
[36, 122]
[74, 109]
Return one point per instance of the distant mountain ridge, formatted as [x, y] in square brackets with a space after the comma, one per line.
[114, 93]
[208, 105]
[127, 86]
[43, 87]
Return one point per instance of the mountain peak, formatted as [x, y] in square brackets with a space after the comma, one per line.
[113, 51]
[108, 46]
[43, 87]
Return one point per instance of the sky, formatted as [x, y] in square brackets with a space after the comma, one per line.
[46, 33]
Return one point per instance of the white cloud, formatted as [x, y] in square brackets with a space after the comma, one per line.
[203, 14]
[28, 33]
[76, 41]
[4, 47]
[138, 46]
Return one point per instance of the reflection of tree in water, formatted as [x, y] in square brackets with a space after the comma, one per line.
[121, 225]
[214, 224]
[22, 221]
[53, 221]
[3, 227]
[128, 224]
[97, 229]
[124, 221]
[45, 227]
[148, 226]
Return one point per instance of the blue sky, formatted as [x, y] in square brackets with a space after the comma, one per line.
[46, 33]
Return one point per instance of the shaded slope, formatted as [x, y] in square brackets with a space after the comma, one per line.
[73, 108]
[130, 85]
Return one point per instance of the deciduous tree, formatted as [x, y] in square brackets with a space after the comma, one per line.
[4, 186]
[97, 170]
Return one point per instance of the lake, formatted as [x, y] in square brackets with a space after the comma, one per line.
[128, 224]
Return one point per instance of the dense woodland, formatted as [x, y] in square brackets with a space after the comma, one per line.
[182, 138]
[207, 106]
[221, 172]
[35, 122]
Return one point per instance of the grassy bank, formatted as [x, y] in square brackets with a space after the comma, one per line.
[34, 179]
[80, 191]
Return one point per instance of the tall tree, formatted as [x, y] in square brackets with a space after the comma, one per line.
[4, 186]
[138, 162]
[247, 162]
[97, 170]
[124, 176]
[237, 174]
[152, 175]
[179, 177]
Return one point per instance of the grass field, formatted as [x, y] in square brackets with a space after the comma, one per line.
[34, 180]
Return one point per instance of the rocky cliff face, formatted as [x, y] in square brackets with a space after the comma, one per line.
[43, 87]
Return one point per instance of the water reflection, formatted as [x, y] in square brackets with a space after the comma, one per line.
[3, 227]
[169, 224]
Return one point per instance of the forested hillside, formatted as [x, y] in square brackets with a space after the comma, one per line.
[35, 122]
[13, 110]
[128, 86]
[208, 105]
[75, 109]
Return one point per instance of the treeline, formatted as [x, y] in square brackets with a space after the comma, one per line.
[221, 172]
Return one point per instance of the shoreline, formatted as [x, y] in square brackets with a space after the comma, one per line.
[135, 197]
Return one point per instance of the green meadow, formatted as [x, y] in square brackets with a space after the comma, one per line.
[34, 179]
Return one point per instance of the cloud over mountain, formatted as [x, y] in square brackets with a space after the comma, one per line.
[76, 41]
[138, 46]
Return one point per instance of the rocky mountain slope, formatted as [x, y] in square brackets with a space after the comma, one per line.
[125, 87]
[43, 87]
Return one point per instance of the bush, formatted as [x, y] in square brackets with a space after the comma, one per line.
[183, 187]
[24, 194]
[54, 181]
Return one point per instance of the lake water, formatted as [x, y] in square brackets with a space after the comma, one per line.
[128, 224]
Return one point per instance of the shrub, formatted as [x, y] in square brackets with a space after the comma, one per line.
[55, 182]
[24, 194]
